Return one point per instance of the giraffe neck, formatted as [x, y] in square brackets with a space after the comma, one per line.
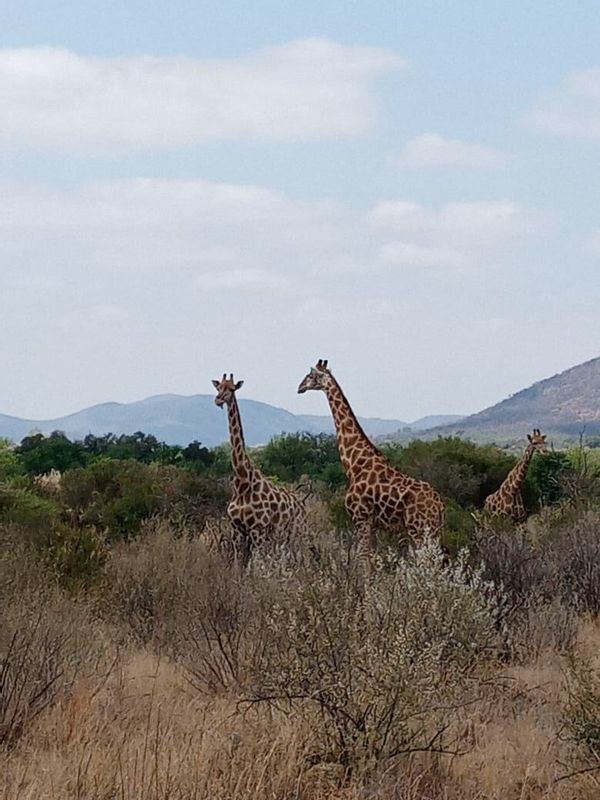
[516, 477]
[352, 440]
[242, 466]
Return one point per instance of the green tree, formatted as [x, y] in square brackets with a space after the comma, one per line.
[196, 455]
[40, 454]
[291, 456]
[460, 470]
[10, 464]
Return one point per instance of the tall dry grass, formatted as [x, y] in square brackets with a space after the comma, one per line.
[181, 676]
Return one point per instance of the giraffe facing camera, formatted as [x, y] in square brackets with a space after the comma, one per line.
[260, 512]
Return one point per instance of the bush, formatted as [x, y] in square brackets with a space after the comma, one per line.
[374, 659]
[460, 470]
[293, 456]
[10, 465]
[42, 642]
[34, 515]
[581, 719]
[75, 556]
[117, 496]
[40, 454]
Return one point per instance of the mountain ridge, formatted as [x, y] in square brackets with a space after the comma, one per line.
[562, 405]
[180, 419]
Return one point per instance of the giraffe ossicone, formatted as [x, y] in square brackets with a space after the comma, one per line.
[260, 512]
[378, 495]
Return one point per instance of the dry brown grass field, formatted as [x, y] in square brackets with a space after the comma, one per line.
[178, 676]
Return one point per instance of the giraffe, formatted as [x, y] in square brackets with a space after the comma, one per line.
[378, 494]
[260, 512]
[507, 501]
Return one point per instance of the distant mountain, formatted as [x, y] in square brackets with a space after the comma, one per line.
[179, 420]
[562, 406]
[435, 420]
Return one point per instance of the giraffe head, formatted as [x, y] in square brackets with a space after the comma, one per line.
[537, 441]
[226, 389]
[319, 377]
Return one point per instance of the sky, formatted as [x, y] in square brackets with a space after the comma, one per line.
[408, 189]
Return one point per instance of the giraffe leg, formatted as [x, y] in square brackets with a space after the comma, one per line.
[365, 534]
[241, 544]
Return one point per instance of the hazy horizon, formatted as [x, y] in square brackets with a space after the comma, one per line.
[408, 190]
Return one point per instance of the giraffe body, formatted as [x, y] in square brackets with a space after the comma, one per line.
[378, 495]
[261, 512]
[508, 501]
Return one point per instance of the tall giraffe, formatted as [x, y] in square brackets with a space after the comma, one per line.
[260, 511]
[378, 494]
[507, 501]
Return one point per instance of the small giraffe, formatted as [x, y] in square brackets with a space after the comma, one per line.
[260, 512]
[507, 501]
[378, 494]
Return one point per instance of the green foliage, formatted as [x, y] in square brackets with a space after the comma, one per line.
[39, 454]
[220, 465]
[117, 496]
[460, 470]
[35, 515]
[112, 495]
[295, 455]
[337, 512]
[196, 455]
[75, 556]
[548, 475]
[138, 446]
[10, 464]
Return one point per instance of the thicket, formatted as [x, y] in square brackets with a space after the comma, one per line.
[69, 496]
[137, 660]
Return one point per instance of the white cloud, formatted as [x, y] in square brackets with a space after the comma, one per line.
[456, 236]
[305, 89]
[489, 219]
[125, 288]
[231, 279]
[433, 150]
[573, 108]
[414, 255]
[218, 236]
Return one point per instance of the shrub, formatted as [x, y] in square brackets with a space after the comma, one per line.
[576, 556]
[581, 713]
[460, 470]
[117, 496]
[10, 465]
[75, 556]
[295, 455]
[43, 639]
[374, 659]
[40, 454]
[112, 495]
[34, 515]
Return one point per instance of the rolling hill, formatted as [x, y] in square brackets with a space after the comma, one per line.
[177, 419]
[562, 406]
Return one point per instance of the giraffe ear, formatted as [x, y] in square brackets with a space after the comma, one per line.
[529, 436]
[239, 385]
[216, 384]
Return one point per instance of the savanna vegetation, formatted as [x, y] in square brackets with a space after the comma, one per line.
[138, 660]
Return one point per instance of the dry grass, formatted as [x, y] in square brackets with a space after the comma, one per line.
[130, 719]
